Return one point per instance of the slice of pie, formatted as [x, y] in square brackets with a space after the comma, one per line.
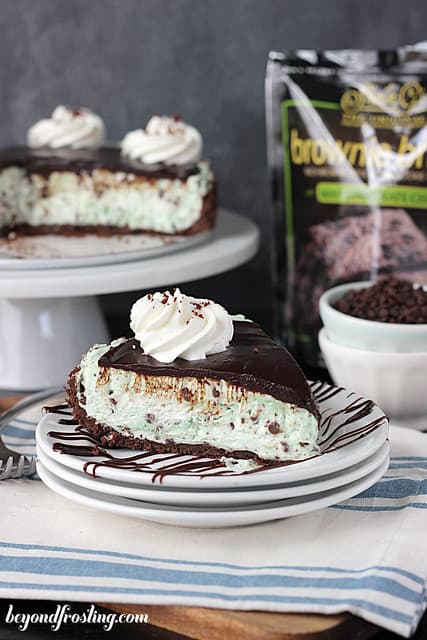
[244, 398]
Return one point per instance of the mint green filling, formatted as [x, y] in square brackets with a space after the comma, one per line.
[208, 411]
[102, 198]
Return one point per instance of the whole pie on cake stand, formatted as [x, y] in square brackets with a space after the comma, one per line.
[80, 219]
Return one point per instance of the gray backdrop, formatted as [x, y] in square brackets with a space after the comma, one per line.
[202, 59]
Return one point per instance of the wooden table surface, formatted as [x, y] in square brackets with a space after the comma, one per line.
[211, 624]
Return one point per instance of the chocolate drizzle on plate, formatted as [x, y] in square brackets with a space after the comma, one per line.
[331, 425]
[145, 462]
[323, 391]
[62, 409]
[335, 432]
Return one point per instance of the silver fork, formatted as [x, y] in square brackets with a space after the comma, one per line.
[13, 464]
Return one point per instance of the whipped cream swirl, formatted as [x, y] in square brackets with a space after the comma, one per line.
[164, 139]
[173, 325]
[78, 128]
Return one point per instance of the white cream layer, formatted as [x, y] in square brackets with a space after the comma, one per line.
[102, 198]
[173, 325]
[191, 411]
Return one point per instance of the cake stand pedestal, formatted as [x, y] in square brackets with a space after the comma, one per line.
[49, 317]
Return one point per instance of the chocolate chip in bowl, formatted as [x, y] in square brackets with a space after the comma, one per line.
[387, 316]
[374, 341]
[388, 300]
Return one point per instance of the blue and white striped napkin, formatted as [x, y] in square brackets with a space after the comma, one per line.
[367, 556]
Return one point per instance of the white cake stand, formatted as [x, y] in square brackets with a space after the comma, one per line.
[49, 317]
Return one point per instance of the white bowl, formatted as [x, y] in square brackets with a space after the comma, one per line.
[397, 382]
[368, 334]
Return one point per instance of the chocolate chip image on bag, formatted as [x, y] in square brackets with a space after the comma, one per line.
[347, 149]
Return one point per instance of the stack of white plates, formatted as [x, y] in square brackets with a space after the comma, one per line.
[354, 454]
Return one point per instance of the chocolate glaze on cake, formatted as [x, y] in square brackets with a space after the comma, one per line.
[252, 361]
[44, 161]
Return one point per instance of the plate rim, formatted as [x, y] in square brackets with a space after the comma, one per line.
[212, 518]
[96, 260]
[199, 496]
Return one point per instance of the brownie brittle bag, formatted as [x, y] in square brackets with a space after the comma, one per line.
[347, 147]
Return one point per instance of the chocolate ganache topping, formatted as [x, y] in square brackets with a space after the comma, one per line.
[44, 161]
[252, 361]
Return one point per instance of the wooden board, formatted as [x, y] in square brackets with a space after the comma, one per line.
[221, 624]
[8, 401]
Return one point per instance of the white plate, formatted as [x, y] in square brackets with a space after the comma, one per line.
[212, 497]
[55, 251]
[212, 517]
[347, 437]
